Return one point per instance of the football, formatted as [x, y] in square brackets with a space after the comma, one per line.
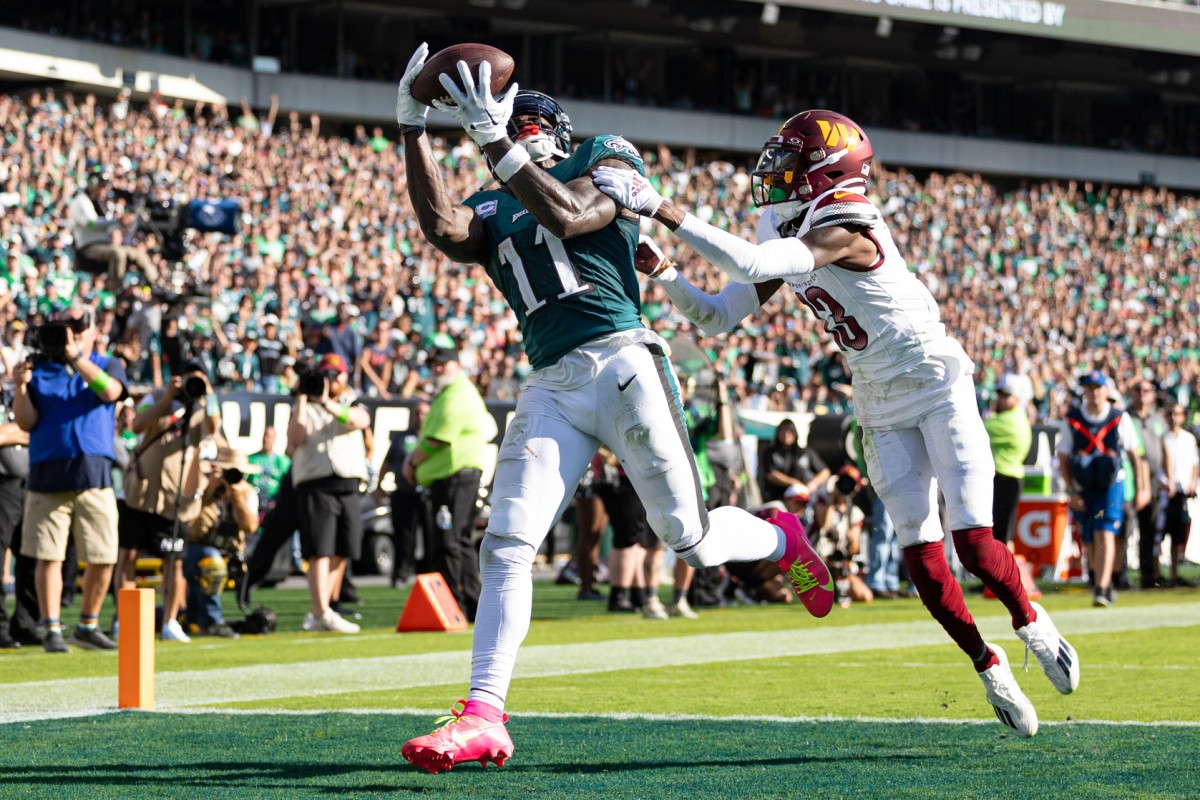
[426, 88]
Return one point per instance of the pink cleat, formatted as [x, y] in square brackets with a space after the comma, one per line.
[804, 568]
[460, 738]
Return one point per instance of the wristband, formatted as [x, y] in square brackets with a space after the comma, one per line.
[407, 129]
[100, 383]
[343, 415]
[513, 160]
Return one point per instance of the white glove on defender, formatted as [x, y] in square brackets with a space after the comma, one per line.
[483, 117]
[629, 188]
[409, 112]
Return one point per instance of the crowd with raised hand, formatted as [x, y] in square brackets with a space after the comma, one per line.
[1047, 279]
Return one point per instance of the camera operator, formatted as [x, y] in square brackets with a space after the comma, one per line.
[216, 549]
[167, 456]
[65, 399]
[98, 238]
[329, 461]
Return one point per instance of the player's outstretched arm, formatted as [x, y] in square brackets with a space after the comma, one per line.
[453, 229]
[713, 314]
[743, 261]
[450, 228]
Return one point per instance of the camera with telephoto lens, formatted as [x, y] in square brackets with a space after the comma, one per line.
[232, 475]
[194, 388]
[312, 381]
[48, 341]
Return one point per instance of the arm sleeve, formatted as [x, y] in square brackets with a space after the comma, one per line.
[714, 314]
[745, 262]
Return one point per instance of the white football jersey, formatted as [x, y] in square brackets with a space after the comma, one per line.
[883, 317]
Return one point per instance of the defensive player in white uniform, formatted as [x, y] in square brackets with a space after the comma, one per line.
[562, 253]
[913, 390]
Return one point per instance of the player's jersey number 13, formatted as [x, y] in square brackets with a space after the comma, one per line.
[844, 328]
[568, 275]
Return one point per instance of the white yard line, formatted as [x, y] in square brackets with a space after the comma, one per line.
[33, 700]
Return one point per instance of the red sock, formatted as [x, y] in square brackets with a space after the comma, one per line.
[991, 562]
[941, 594]
[478, 708]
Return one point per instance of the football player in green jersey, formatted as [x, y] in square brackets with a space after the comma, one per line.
[562, 253]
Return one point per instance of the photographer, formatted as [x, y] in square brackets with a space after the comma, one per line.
[172, 423]
[98, 239]
[65, 399]
[217, 540]
[329, 461]
[838, 523]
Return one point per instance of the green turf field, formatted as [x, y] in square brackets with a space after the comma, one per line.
[746, 702]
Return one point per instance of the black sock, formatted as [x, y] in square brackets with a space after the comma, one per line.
[637, 596]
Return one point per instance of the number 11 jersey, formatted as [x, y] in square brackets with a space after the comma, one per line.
[564, 292]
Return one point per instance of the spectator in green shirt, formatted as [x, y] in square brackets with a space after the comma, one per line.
[273, 466]
[1011, 436]
[448, 461]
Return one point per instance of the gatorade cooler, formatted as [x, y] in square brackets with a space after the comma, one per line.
[1041, 534]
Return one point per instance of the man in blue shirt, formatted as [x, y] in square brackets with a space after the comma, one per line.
[66, 401]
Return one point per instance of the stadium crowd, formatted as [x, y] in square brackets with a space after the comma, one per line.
[633, 77]
[1050, 279]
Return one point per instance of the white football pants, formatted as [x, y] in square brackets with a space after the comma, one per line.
[619, 390]
[945, 447]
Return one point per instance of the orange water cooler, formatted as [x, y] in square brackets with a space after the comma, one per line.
[1041, 534]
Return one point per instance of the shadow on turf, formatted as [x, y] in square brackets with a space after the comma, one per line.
[233, 774]
[218, 773]
[735, 761]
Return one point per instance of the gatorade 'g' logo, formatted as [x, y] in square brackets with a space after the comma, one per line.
[839, 134]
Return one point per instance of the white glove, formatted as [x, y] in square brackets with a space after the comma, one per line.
[409, 112]
[629, 188]
[483, 117]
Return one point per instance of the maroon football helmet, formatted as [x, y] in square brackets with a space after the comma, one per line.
[813, 151]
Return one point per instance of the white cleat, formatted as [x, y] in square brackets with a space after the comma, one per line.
[654, 608]
[1052, 651]
[1010, 703]
[682, 609]
[335, 622]
[172, 631]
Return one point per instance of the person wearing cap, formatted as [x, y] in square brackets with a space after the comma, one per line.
[67, 405]
[163, 483]
[785, 463]
[329, 462]
[217, 539]
[1091, 441]
[448, 462]
[1011, 436]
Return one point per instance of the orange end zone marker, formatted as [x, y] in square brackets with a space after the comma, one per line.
[135, 649]
[431, 607]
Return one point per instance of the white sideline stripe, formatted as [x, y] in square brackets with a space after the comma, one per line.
[175, 690]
